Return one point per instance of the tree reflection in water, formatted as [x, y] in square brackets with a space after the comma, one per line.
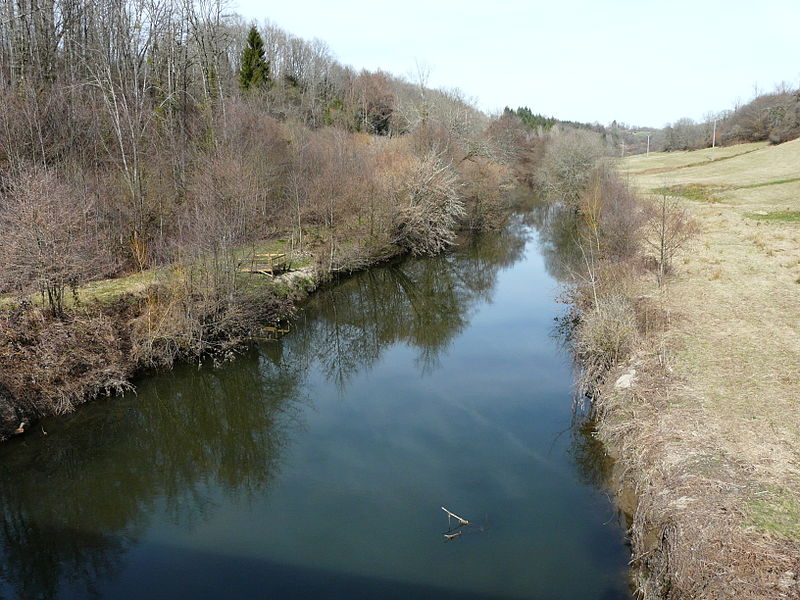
[76, 502]
[558, 228]
[424, 303]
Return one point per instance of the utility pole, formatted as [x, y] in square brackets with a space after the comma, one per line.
[714, 135]
[648, 134]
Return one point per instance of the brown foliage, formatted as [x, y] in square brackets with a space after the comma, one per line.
[774, 117]
[46, 238]
[669, 228]
[567, 164]
[485, 188]
[50, 365]
[614, 214]
[200, 313]
[430, 206]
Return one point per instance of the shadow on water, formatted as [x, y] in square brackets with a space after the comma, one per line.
[79, 505]
[75, 501]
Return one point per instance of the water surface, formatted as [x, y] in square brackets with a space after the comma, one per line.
[316, 466]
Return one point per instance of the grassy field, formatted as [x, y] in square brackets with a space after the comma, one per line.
[726, 435]
[665, 162]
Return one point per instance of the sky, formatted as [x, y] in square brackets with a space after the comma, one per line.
[641, 62]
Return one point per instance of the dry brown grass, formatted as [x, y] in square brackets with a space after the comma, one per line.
[668, 161]
[709, 435]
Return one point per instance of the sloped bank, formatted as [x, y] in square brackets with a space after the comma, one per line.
[688, 502]
[51, 365]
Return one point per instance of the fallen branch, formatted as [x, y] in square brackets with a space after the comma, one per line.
[461, 521]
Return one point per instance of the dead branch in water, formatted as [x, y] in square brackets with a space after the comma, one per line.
[461, 521]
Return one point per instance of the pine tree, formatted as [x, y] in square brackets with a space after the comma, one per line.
[254, 69]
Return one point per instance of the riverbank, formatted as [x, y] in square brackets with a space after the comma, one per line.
[118, 328]
[208, 309]
[702, 418]
[419, 383]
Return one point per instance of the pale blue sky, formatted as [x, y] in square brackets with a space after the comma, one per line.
[641, 62]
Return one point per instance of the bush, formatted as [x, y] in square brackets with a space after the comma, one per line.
[604, 336]
[568, 162]
[46, 238]
[484, 194]
[622, 219]
[48, 365]
[430, 206]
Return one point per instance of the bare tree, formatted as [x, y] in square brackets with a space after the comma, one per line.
[431, 206]
[568, 162]
[669, 229]
[45, 240]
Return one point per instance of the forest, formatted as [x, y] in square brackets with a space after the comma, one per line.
[163, 143]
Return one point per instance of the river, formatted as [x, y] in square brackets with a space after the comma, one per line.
[316, 466]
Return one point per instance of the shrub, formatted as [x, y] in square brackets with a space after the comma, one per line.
[484, 194]
[46, 238]
[430, 206]
[603, 337]
[622, 219]
[568, 162]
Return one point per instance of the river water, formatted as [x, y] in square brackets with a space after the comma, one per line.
[316, 466]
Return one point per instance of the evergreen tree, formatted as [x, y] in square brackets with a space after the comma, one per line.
[254, 69]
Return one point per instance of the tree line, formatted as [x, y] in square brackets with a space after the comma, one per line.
[773, 117]
[140, 132]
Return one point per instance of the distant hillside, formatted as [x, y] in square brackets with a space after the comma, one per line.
[773, 118]
[623, 138]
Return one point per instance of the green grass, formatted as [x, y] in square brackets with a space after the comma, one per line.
[697, 192]
[776, 511]
[104, 291]
[781, 216]
[107, 291]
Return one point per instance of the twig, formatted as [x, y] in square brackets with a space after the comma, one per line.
[461, 520]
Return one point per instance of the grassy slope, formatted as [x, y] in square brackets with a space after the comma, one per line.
[734, 340]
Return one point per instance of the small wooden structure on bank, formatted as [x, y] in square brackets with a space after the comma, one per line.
[266, 264]
[272, 334]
